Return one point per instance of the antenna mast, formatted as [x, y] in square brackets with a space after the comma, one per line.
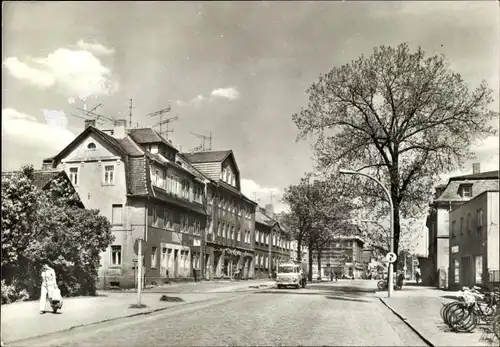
[204, 138]
[161, 122]
[130, 114]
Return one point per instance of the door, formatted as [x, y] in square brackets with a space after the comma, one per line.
[466, 272]
[176, 262]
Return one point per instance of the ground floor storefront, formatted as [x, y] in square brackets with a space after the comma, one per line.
[222, 262]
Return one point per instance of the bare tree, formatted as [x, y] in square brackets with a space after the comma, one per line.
[402, 116]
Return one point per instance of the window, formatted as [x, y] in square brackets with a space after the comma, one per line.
[155, 215]
[479, 269]
[219, 229]
[154, 251]
[109, 174]
[469, 223]
[91, 146]
[185, 189]
[461, 225]
[116, 255]
[457, 271]
[231, 235]
[238, 235]
[453, 228]
[239, 210]
[257, 236]
[166, 219]
[479, 221]
[73, 175]
[466, 191]
[164, 255]
[117, 215]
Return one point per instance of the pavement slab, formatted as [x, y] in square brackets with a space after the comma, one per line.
[420, 308]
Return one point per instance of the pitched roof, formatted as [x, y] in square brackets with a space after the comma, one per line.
[480, 183]
[262, 218]
[41, 178]
[478, 176]
[149, 135]
[207, 157]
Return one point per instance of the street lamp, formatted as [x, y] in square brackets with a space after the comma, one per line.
[390, 284]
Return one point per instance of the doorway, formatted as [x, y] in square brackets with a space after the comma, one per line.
[466, 272]
[176, 262]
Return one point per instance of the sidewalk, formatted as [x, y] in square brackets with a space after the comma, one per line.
[420, 307]
[21, 320]
[219, 286]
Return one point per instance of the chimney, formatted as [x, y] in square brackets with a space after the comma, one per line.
[270, 210]
[119, 128]
[89, 123]
[476, 168]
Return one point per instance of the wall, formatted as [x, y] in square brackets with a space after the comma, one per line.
[493, 235]
[95, 194]
[467, 244]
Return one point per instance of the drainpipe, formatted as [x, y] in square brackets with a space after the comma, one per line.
[145, 241]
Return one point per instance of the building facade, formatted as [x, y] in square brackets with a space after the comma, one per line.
[344, 255]
[272, 244]
[474, 242]
[229, 241]
[459, 190]
[135, 181]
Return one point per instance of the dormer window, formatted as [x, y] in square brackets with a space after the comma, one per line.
[466, 190]
[91, 146]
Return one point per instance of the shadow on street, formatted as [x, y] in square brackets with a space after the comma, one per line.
[344, 298]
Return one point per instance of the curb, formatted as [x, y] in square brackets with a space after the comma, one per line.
[407, 323]
[144, 313]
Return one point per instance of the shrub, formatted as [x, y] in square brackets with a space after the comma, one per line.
[49, 228]
[12, 292]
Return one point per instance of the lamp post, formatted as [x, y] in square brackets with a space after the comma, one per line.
[390, 284]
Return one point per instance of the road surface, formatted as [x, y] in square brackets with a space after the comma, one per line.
[327, 314]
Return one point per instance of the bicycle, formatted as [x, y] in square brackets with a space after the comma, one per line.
[472, 307]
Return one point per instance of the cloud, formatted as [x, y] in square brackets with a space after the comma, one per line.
[26, 140]
[96, 48]
[262, 195]
[224, 93]
[73, 73]
[228, 93]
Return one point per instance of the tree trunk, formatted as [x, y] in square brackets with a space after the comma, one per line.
[319, 264]
[397, 231]
[310, 256]
[299, 248]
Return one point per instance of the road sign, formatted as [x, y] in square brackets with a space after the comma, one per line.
[136, 245]
[391, 257]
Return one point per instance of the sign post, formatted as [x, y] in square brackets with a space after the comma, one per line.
[138, 250]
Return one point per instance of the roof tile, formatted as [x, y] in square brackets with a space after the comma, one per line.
[206, 157]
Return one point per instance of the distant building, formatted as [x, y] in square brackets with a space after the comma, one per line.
[272, 245]
[458, 191]
[474, 242]
[344, 255]
[231, 226]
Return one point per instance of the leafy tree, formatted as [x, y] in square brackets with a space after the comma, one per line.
[48, 227]
[403, 116]
[318, 207]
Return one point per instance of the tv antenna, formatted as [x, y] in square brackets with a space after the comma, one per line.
[95, 115]
[130, 113]
[204, 138]
[97, 121]
[162, 121]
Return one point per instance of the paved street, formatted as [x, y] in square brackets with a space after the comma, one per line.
[334, 314]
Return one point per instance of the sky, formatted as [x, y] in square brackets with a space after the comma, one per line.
[237, 70]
